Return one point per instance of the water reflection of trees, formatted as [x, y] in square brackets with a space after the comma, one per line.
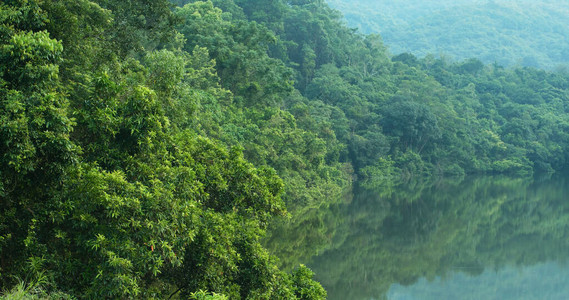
[400, 234]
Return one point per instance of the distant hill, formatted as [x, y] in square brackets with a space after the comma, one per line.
[524, 33]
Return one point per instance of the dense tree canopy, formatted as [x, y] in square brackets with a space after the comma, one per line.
[114, 170]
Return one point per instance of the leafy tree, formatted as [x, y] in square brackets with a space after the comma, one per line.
[412, 123]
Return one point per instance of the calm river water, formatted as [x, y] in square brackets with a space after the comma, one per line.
[472, 238]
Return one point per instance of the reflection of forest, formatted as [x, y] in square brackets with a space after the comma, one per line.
[359, 248]
[536, 282]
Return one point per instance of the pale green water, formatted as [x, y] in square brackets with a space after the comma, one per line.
[473, 238]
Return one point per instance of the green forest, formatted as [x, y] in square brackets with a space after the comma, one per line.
[510, 33]
[146, 145]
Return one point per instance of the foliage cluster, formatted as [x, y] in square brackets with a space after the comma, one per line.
[122, 160]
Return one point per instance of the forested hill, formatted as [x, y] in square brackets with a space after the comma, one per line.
[510, 33]
[145, 145]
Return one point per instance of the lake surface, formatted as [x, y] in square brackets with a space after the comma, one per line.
[472, 238]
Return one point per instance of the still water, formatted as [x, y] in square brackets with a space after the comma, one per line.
[471, 238]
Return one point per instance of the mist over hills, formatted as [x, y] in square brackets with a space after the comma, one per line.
[510, 33]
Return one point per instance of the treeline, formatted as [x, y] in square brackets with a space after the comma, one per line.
[146, 147]
[404, 116]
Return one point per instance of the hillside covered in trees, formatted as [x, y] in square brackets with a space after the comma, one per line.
[510, 33]
[145, 146]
